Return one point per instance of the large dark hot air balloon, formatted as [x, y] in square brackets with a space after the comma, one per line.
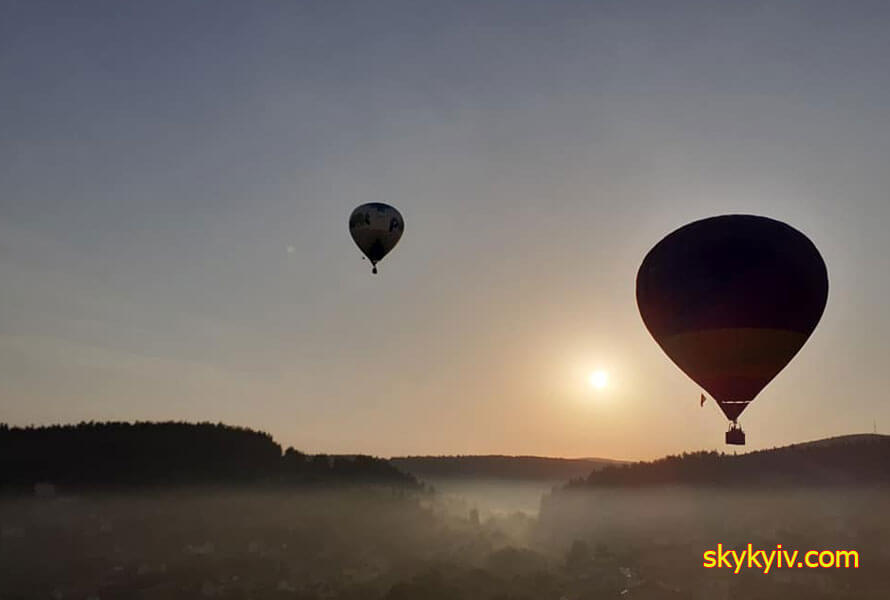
[376, 229]
[731, 300]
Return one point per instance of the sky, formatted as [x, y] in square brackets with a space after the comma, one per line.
[176, 180]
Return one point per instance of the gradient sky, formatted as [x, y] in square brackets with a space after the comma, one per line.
[176, 178]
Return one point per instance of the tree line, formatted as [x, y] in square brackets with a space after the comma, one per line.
[851, 460]
[171, 453]
[499, 467]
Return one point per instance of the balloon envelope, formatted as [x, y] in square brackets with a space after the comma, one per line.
[731, 300]
[376, 229]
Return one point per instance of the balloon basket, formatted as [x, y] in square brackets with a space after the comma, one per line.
[735, 436]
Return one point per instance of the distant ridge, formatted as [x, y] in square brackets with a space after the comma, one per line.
[122, 454]
[850, 438]
[497, 466]
[843, 460]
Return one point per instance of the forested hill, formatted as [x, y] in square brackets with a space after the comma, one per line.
[172, 453]
[499, 467]
[846, 460]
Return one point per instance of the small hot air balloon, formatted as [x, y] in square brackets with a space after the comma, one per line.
[376, 228]
[731, 300]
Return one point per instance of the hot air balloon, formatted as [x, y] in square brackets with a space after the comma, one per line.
[731, 300]
[376, 228]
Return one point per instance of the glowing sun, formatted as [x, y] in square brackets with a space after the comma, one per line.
[598, 379]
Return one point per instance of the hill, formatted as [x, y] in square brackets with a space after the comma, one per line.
[532, 468]
[845, 460]
[121, 454]
[852, 438]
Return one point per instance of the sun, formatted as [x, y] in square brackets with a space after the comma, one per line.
[598, 379]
